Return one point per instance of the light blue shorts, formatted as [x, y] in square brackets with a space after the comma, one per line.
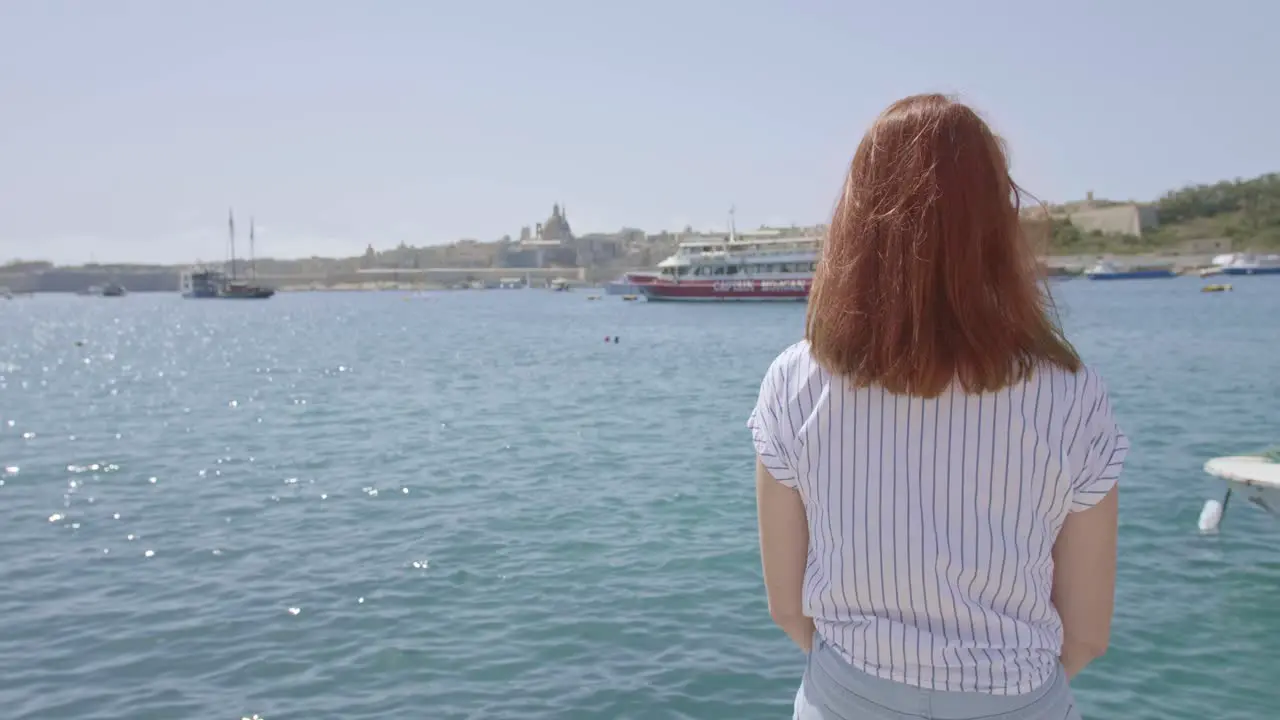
[835, 690]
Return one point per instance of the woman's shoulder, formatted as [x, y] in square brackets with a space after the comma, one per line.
[1084, 383]
[793, 367]
[793, 355]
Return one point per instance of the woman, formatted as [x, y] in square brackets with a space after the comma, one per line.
[936, 470]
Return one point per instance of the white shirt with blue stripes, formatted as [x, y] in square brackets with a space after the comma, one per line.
[932, 521]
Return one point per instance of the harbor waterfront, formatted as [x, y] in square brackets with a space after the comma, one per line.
[168, 279]
[466, 505]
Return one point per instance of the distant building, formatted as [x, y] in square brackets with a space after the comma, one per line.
[1108, 217]
[556, 227]
[550, 245]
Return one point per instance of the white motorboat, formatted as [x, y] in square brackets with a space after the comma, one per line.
[1256, 478]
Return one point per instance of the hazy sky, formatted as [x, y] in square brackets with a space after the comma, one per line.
[127, 128]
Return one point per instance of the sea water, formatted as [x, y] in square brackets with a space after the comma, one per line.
[469, 505]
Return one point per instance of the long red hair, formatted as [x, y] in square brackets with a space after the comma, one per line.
[926, 277]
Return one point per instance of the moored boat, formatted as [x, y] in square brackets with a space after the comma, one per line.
[1255, 477]
[736, 269]
[206, 283]
[1249, 264]
[1107, 270]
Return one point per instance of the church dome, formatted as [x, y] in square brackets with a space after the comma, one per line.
[557, 226]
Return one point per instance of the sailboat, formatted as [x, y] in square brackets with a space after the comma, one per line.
[208, 283]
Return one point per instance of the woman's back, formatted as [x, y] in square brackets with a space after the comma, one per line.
[932, 519]
[928, 456]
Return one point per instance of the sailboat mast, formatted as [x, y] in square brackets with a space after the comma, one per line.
[253, 258]
[231, 228]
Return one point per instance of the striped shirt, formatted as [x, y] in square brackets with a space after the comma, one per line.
[932, 521]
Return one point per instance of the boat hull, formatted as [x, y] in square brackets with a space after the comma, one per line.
[1267, 270]
[789, 290]
[259, 294]
[1133, 275]
[251, 293]
[213, 285]
[1255, 479]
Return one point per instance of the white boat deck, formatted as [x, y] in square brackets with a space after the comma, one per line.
[1246, 470]
[1255, 478]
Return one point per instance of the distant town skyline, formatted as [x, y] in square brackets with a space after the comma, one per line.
[130, 126]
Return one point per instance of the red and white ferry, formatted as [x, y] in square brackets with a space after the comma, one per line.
[755, 268]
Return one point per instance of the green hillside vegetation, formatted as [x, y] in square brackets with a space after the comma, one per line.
[1246, 211]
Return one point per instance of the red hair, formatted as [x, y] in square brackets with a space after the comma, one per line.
[926, 276]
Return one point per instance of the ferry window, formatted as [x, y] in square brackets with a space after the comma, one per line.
[684, 271]
[731, 270]
[813, 267]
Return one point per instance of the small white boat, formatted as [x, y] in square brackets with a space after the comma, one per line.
[1250, 264]
[1255, 477]
[1107, 270]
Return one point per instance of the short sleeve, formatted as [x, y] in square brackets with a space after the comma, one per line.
[1104, 459]
[768, 427]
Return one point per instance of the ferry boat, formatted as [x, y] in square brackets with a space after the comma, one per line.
[735, 269]
[1249, 264]
[1107, 270]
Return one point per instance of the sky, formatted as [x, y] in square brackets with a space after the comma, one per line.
[128, 128]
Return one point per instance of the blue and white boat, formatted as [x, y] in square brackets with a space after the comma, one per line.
[1106, 270]
[1249, 264]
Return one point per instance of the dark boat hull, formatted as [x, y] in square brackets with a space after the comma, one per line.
[1133, 275]
[213, 285]
[1259, 270]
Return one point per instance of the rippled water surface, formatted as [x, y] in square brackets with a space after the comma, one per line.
[469, 506]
